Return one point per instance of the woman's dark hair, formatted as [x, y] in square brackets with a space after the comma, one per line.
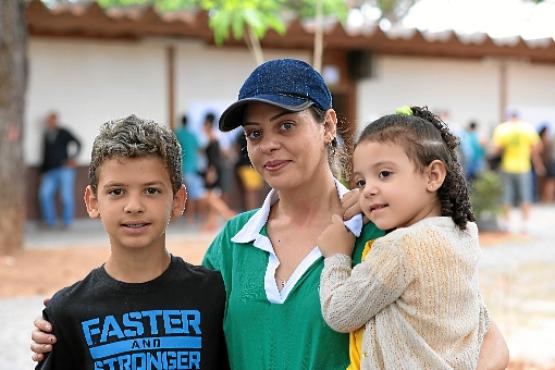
[425, 138]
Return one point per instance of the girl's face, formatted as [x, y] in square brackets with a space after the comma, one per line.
[394, 193]
[135, 202]
[287, 148]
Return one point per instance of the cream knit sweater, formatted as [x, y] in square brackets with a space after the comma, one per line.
[416, 294]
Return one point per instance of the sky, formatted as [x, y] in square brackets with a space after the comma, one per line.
[497, 18]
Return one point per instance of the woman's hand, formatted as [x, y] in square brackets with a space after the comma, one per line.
[336, 239]
[41, 339]
[494, 354]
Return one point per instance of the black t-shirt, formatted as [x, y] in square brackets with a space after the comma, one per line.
[171, 322]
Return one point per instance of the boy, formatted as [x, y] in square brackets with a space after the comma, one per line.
[144, 308]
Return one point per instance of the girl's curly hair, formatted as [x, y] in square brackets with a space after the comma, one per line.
[425, 138]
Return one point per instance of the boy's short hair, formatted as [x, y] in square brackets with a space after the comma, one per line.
[133, 137]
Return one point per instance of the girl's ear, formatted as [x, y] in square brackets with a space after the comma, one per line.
[179, 200]
[91, 201]
[330, 126]
[436, 175]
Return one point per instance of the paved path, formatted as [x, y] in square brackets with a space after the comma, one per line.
[517, 276]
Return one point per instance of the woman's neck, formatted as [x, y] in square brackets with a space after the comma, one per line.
[306, 204]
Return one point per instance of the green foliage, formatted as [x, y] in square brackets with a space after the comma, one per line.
[232, 17]
[160, 5]
[306, 9]
[236, 15]
[486, 195]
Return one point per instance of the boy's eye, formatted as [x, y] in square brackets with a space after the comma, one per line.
[360, 183]
[152, 191]
[384, 174]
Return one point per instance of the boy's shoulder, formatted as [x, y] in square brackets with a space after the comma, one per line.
[195, 274]
[71, 293]
[98, 282]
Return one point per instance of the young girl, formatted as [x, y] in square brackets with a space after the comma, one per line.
[415, 297]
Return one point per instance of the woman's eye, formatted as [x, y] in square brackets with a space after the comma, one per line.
[253, 135]
[384, 174]
[286, 126]
[360, 183]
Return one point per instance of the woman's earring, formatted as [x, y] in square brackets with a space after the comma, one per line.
[333, 145]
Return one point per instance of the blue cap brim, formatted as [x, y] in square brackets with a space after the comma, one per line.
[232, 117]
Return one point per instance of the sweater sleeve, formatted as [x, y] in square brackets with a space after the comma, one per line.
[350, 297]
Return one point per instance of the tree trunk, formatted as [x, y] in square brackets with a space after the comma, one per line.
[254, 46]
[13, 83]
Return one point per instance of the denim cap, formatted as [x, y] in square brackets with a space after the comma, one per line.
[286, 83]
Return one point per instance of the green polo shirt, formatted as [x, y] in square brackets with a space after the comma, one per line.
[265, 330]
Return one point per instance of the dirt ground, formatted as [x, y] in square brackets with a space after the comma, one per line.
[44, 271]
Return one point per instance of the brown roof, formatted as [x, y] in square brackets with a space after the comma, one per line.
[139, 22]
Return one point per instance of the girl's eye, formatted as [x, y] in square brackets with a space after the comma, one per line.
[117, 192]
[152, 191]
[383, 174]
[360, 183]
[253, 134]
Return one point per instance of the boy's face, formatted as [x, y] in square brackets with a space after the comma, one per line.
[394, 193]
[135, 201]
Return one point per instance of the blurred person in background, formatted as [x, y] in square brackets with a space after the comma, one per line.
[60, 148]
[213, 176]
[194, 182]
[547, 181]
[473, 151]
[519, 144]
[250, 181]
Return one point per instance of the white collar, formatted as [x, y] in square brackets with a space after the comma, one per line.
[250, 233]
[251, 230]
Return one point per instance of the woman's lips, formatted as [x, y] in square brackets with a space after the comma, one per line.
[275, 165]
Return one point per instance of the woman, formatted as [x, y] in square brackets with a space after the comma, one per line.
[268, 257]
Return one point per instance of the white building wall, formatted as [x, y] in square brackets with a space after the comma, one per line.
[89, 82]
[532, 92]
[466, 89]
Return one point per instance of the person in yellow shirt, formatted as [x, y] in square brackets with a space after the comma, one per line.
[519, 144]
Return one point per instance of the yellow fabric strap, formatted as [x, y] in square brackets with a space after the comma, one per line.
[355, 338]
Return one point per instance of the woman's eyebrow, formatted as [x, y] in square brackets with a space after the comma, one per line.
[273, 118]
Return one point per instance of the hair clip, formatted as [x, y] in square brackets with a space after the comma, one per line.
[404, 110]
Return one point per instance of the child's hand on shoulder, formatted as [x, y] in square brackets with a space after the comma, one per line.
[336, 239]
[351, 206]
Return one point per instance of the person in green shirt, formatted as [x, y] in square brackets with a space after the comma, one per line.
[268, 257]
